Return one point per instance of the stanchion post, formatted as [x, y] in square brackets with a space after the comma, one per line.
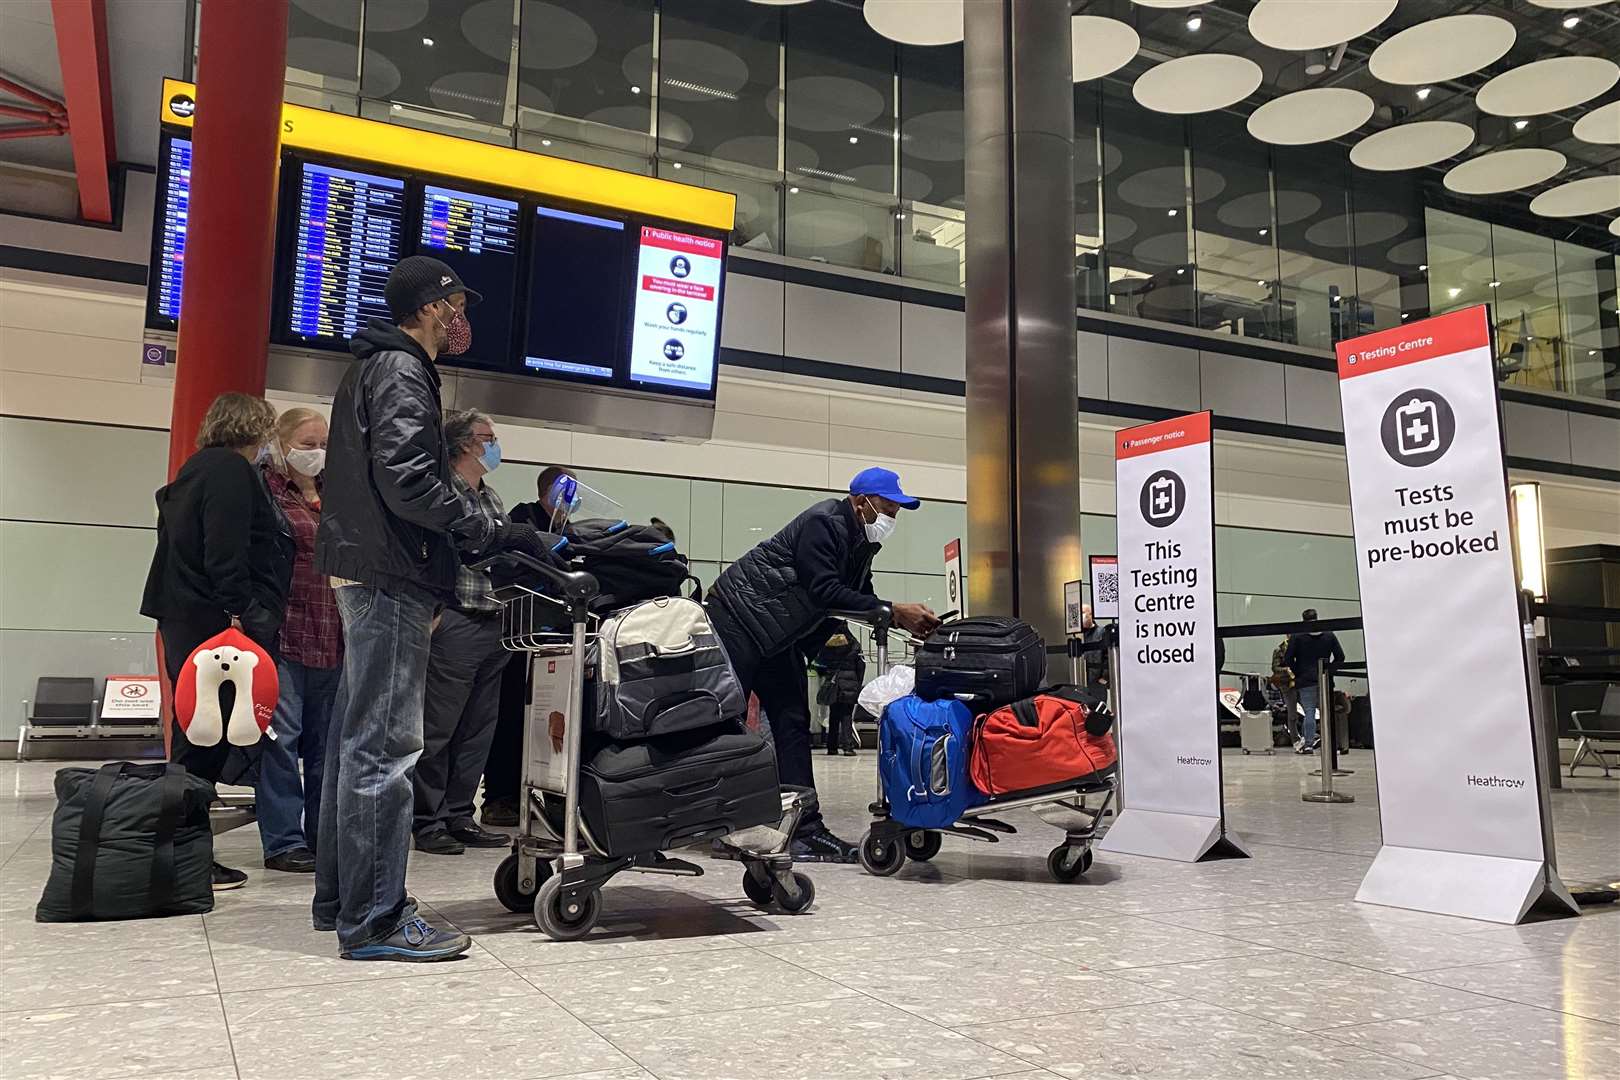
[1324, 742]
[1326, 690]
[1112, 638]
[1074, 661]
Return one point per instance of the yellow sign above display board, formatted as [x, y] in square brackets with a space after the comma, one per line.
[428, 151]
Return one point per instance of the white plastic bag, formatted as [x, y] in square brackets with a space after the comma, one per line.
[896, 683]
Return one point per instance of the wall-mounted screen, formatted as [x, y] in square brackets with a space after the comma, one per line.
[477, 236]
[576, 295]
[169, 232]
[348, 230]
[677, 316]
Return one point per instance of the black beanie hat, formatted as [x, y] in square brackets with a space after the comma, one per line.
[416, 281]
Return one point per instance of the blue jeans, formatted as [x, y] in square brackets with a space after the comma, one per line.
[365, 815]
[1308, 696]
[289, 807]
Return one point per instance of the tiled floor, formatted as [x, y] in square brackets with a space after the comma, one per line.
[975, 965]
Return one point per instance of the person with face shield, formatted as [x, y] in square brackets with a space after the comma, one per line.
[393, 534]
[224, 558]
[308, 654]
[769, 604]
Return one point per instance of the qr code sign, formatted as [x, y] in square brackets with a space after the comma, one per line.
[1107, 589]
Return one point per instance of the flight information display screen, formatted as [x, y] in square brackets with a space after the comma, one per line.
[576, 295]
[477, 236]
[676, 328]
[174, 207]
[347, 234]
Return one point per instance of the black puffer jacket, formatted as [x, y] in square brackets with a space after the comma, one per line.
[782, 589]
[389, 515]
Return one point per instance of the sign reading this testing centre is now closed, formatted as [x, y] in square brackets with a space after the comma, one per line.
[1169, 741]
[1458, 791]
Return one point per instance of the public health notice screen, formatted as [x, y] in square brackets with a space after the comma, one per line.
[677, 312]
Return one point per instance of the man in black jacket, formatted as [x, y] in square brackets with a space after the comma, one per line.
[391, 535]
[768, 602]
[1305, 650]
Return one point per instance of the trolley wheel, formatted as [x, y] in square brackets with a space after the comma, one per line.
[923, 845]
[509, 891]
[757, 891]
[560, 920]
[803, 895]
[1067, 863]
[881, 857]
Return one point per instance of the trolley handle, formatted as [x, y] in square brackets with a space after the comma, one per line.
[575, 585]
[879, 618]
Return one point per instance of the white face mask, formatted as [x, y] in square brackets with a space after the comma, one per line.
[307, 462]
[879, 530]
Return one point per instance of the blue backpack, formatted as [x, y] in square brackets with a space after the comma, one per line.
[923, 749]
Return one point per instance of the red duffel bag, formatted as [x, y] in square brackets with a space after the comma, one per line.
[1062, 733]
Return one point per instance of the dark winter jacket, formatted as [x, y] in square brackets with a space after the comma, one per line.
[782, 589]
[389, 515]
[223, 547]
[1304, 650]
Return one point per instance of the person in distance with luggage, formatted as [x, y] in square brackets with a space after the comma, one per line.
[766, 604]
[1305, 650]
[465, 664]
[224, 558]
[391, 527]
[843, 673]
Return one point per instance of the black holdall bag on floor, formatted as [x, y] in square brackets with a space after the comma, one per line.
[992, 659]
[129, 842]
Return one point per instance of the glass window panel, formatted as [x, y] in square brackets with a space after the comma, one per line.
[1317, 284]
[718, 69]
[933, 245]
[839, 92]
[759, 209]
[585, 72]
[1234, 238]
[1090, 277]
[1389, 250]
[1146, 231]
[706, 513]
[839, 230]
[1276, 563]
[323, 47]
[931, 133]
[1524, 287]
[1591, 334]
[1459, 261]
[449, 57]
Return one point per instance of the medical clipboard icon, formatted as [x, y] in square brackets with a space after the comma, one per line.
[1162, 498]
[1417, 427]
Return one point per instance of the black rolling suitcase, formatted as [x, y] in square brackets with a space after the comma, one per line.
[994, 659]
[679, 788]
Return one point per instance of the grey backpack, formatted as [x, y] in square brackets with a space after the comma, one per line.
[662, 669]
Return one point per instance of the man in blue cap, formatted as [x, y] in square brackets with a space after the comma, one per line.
[769, 605]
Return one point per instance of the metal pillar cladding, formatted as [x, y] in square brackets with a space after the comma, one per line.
[230, 241]
[1023, 438]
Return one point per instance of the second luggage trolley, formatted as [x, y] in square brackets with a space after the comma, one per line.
[557, 868]
[887, 844]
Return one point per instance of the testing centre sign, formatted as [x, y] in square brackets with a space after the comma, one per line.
[1459, 795]
[1169, 739]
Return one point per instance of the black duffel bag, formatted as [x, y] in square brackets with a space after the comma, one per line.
[129, 842]
[990, 660]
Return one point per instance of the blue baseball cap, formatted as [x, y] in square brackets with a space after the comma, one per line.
[885, 484]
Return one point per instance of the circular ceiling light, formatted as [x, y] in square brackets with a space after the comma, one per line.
[1601, 125]
[1315, 24]
[1412, 146]
[1544, 86]
[1614, 226]
[1504, 170]
[1309, 116]
[778, 3]
[935, 136]
[828, 103]
[1165, 187]
[1593, 195]
[1168, 3]
[1442, 49]
[1253, 211]
[1566, 5]
[1197, 83]
[916, 22]
[1100, 46]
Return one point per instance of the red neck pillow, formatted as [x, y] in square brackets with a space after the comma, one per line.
[227, 657]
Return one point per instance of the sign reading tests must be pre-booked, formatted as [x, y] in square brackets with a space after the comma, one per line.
[1445, 657]
[1169, 740]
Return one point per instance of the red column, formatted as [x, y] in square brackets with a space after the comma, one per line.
[230, 237]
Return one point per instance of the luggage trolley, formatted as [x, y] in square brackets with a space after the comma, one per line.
[556, 868]
[888, 844]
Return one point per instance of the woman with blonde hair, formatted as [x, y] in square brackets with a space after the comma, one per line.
[224, 558]
[309, 655]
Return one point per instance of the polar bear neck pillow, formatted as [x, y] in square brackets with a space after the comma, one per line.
[228, 657]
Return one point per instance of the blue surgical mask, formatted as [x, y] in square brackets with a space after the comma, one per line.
[491, 457]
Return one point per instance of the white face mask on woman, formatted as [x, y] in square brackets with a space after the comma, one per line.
[306, 462]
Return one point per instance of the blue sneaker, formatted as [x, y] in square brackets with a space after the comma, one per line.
[416, 941]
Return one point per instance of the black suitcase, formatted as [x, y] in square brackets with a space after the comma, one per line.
[680, 788]
[993, 659]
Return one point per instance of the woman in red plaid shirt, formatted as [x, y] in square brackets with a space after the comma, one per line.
[311, 655]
